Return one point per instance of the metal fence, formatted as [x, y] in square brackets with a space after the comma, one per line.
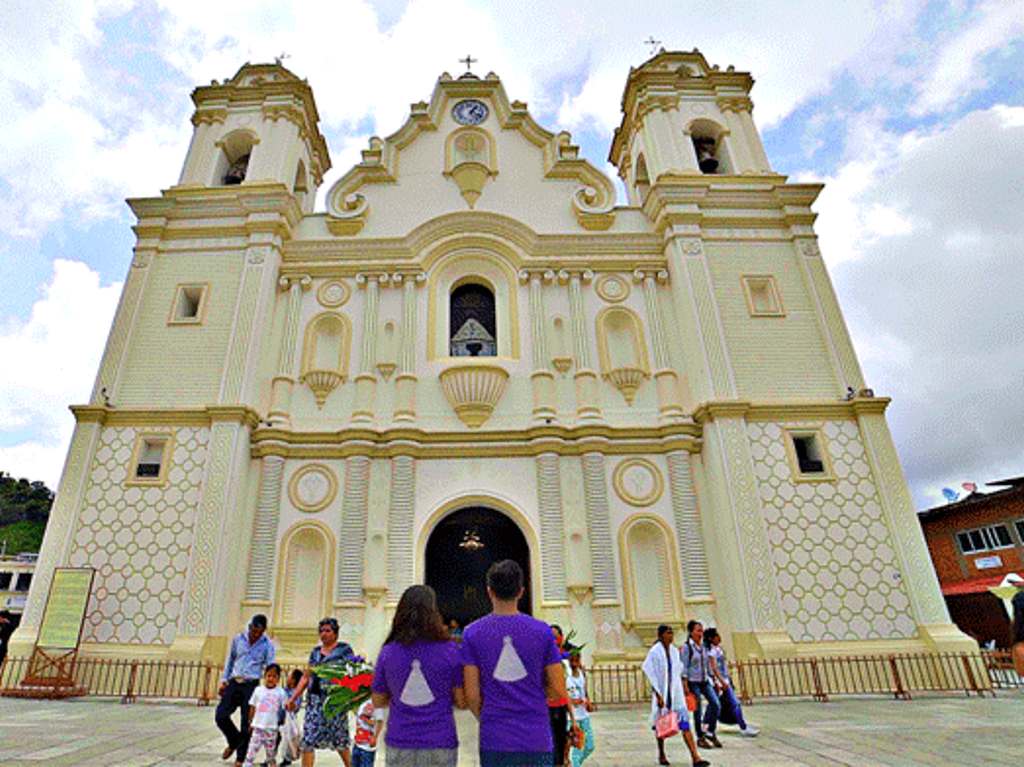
[124, 679]
[819, 678]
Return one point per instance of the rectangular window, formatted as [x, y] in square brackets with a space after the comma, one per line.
[24, 581]
[762, 295]
[808, 455]
[5, 581]
[150, 459]
[1019, 524]
[189, 307]
[984, 539]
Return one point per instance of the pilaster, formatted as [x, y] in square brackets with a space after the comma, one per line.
[405, 382]
[401, 514]
[552, 529]
[739, 141]
[542, 380]
[670, 409]
[366, 381]
[284, 381]
[262, 551]
[588, 402]
[352, 533]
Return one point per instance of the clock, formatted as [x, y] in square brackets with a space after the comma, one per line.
[469, 112]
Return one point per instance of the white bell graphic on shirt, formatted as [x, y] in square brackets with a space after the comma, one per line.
[510, 668]
[416, 691]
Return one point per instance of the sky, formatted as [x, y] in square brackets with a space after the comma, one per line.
[911, 113]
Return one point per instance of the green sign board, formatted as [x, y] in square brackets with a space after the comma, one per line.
[65, 608]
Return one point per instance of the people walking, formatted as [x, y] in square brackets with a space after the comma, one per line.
[417, 681]
[699, 676]
[560, 714]
[663, 669]
[576, 685]
[264, 713]
[319, 732]
[726, 692]
[249, 654]
[511, 668]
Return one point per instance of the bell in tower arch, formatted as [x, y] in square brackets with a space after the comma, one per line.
[236, 171]
[707, 159]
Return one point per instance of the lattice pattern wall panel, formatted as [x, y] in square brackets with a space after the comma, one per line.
[835, 562]
[138, 539]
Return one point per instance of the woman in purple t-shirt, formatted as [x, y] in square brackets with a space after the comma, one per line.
[418, 678]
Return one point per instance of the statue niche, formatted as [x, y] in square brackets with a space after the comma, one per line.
[472, 325]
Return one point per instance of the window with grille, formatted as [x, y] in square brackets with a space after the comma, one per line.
[472, 325]
[984, 539]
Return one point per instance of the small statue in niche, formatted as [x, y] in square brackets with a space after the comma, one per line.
[473, 340]
[236, 172]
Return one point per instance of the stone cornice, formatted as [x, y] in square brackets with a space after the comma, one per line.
[790, 410]
[110, 416]
[506, 443]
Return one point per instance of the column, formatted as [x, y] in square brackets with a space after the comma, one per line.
[690, 537]
[922, 585]
[352, 534]
[760, 158]
[59, 531]
[670, 410]
[552, 529]
[284, 381]
[737, 139]
[542, 379]
[263, 548]
[696, 309]
[401, 569]
[405, 381]
[606, 609]
[366, 381]
[588, 404]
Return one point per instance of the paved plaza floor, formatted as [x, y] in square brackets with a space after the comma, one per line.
[865, 731]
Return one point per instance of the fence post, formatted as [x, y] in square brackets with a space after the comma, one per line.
[741, 674]
[965, 659]
[819, 693]
[204, 692]
[899, 692]
[129, 693]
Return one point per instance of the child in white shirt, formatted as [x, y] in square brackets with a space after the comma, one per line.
[265, 707]
[576, 685]
[368, 728]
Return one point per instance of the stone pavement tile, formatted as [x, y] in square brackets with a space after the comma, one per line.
[867, 731]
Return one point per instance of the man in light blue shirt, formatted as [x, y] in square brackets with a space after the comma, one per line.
[250, 652]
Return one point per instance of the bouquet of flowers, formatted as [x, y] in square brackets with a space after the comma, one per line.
[569, 647]
[346, 684]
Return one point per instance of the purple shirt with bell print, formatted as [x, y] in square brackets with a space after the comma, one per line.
[420, 678]
[511, 652]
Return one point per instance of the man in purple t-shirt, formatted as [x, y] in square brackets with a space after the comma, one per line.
[510, 669]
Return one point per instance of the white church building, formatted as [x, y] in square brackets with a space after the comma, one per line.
[476, 352]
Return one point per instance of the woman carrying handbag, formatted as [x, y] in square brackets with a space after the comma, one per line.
[663, 670]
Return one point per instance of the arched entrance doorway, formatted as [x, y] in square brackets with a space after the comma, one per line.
[459, 551]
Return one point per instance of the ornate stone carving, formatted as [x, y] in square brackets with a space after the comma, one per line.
[333, 293]
[612, 288]
[638, 482]
[322, 383]
[349, 217]
[312, 488]
[627, 380]
[473, 390]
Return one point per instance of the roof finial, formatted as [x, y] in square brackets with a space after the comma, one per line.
[468, 61]
[653, 43]
[279, 58]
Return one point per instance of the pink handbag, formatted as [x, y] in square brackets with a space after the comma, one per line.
[667, 725]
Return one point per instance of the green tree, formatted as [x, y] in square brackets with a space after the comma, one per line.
[24, 510]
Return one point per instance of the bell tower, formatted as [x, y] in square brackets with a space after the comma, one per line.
[682, 117]
[258, 127]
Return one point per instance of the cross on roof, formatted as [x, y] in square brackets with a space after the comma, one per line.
[653, 43]
[468, 61]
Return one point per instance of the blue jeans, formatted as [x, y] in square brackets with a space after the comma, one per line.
[361, 758]
[729, 699]
[706, 690]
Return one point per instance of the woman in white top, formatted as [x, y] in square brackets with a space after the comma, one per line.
[664, 671]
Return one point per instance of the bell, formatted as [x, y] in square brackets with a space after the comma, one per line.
[236, 173]
[706, 160]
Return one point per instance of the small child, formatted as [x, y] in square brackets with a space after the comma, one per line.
[368, 729]
[289, 687]
[265, 707]
[576, 685]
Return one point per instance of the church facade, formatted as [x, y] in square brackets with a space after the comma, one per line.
[475, 353]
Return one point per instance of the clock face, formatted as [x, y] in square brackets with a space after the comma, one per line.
[469, 112]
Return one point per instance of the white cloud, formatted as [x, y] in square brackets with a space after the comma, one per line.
[923, 240]
[957, 72]
[50, 361]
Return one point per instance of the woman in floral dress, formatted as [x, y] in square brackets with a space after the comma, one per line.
[319, 732]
